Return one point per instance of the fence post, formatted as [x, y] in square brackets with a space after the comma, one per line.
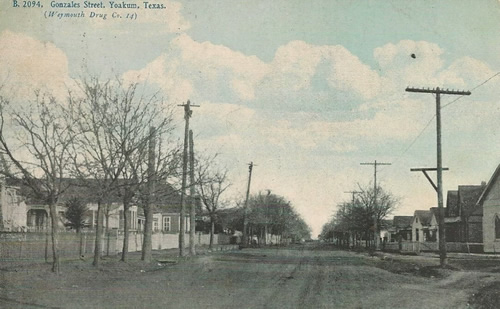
[46, 246]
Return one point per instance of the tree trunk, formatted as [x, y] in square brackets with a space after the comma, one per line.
[46, 244]
[192, 209]
[55, 250]
[147, 245]
[265, 234]
[212, 231]
[108, 236]
[80, 237]
[98, 236]
[125, 232]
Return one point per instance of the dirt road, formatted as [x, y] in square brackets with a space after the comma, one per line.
[251, 278]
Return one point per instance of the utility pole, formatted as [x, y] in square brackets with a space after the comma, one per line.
[353, 194]
[245, 209]
[349, 236]
[375, 191]
[267, 216]
[187, 114]
[192, 209]
[439, 187]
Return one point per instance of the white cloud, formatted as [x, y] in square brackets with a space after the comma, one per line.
[268, 113]
[296, 64]
[163, 72]
[28, 65]
[400, 69]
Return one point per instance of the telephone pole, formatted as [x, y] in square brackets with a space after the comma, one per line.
[439, 187]
[187, 114]
[353, 194]
[245, 209]
[192, 209]
[375, 191]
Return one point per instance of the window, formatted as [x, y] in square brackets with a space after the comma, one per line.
[155, 224]
[122, 220]
[167, 226]
[497, 226]
[133, 219]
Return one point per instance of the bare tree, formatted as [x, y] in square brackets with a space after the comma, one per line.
[114, 120]
[377, 205]
[355, 219]
[135, 178]
[212, 183]
[37, 146]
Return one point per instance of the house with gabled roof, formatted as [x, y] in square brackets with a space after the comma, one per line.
[452, 219]
[386, 230]
[402, 228]
[166, 208]
[424, 225]
[464, 215]
[489, 201]
[471, 212]
[12, 209]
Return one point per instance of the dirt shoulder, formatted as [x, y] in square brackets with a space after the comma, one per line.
[478, 273]
[293, 277]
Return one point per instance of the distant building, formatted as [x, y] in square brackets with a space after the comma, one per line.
[32, 214]
[12, 209]
[402, 228]
[424, 226]
[464, 215]
[489, 201]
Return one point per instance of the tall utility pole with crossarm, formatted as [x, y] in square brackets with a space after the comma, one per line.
[375, 190]
[245, 209]
[439, 169]
[187, 114]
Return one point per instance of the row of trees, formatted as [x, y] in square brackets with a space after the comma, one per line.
[115, 140]
[270, 217]
[360, 218]
[99, 135]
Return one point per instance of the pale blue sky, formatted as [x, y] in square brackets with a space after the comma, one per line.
[305, 89]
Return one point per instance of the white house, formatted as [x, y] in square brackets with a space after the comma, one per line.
[12, 209]
[424, 226]
[490, 200]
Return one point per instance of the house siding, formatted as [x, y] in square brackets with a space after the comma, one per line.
[491, 208]
[475, 229]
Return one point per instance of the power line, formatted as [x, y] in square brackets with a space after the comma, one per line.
[439, 187]
[432, 118]
[487, 80]
[375, 189]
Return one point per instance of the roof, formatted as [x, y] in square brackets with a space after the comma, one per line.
[386, 224]
[167, 198]
[489, 185]
[402, 222]
[452, 208]
[425, 216]
[468, 197]
[435, 211]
